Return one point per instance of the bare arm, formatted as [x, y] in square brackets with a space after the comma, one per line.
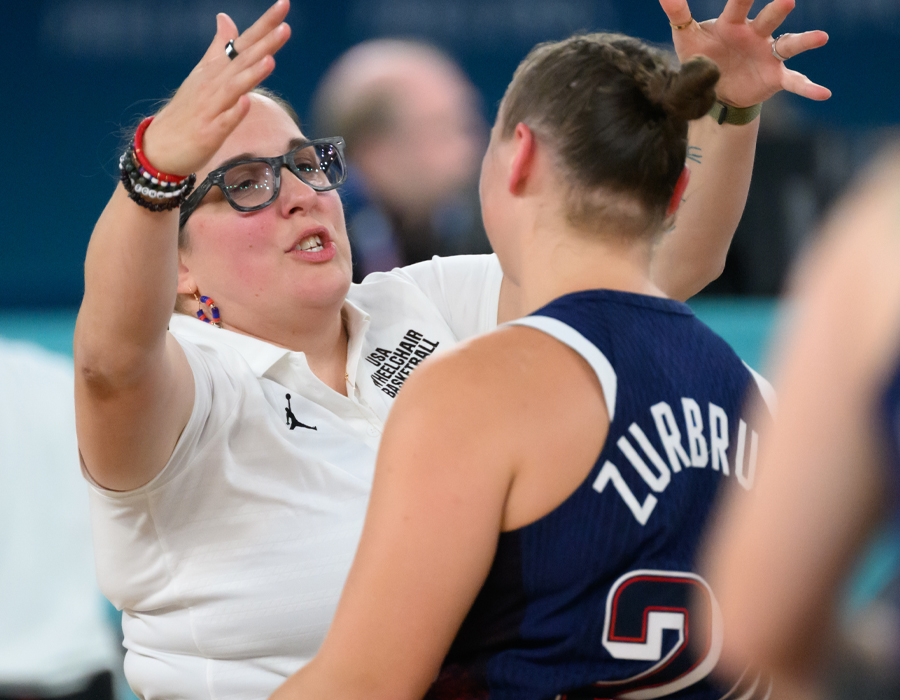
[467, 452]
[429, 539]
[778, 557]
[721, 156]
[133, 386]
[721, 161]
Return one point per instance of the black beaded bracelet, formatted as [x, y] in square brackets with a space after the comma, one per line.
[155, 196]
[143, 180]
[166, 204]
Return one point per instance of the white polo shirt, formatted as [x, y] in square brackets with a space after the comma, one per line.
[228, 565]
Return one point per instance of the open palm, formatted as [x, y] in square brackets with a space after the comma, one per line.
[742, 48]
[212, 100]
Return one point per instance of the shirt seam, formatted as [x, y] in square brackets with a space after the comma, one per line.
[170, 569]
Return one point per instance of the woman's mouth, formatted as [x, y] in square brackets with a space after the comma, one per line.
[315, 246]
[313, 242]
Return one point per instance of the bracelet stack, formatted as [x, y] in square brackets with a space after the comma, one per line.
[147, 186]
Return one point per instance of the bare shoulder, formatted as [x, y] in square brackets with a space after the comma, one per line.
[513, 368]
[515, 402]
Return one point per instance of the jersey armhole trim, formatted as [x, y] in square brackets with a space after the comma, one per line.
[567, 335]
[766, 390]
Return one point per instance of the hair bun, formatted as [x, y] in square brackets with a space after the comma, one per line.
[690, 93]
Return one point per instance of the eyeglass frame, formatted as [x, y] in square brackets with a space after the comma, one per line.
[276, 163]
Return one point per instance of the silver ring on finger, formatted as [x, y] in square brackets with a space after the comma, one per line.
[232, 52]
[775, 49]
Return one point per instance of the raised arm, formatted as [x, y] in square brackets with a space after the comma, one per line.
[464, 456]
[133, 386]
[721, 156]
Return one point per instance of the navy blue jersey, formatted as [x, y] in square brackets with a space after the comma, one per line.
[891, 405]
[592, 599]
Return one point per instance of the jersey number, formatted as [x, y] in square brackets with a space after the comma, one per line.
[651, 616]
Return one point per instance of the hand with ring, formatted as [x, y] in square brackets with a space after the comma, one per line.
[213, 99]
[745, 51]
[775, 48]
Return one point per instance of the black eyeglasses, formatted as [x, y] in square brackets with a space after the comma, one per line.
[254, 183]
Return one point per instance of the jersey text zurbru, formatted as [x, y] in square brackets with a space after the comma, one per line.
[707, 446]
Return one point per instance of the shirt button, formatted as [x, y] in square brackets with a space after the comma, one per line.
[371, 430]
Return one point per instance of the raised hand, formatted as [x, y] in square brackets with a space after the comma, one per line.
[213, 100]
[742, 48]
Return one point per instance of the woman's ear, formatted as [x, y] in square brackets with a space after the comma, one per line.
[523, 158]
[186, 282]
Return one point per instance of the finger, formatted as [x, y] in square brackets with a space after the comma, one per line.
[800, 85]
[252, 76]
[264, 25]
[736, 11]
[266, 46]
[250, 68]
[677, 11]
[228, 120]
[790, 45]
[240, 83]
[226, 30]
[771, 17]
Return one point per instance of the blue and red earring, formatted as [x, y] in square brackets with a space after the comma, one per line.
[213, 316]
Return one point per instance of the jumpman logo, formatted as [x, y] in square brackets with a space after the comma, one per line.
[292, 419]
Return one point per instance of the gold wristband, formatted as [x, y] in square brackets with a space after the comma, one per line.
[726, 114]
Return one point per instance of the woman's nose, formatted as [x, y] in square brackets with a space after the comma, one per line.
[295, 194]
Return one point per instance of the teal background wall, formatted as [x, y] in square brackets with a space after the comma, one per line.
[50, 328]
[745, 323]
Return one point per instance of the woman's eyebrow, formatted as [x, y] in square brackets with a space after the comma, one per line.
[234, 159]
[292, 144]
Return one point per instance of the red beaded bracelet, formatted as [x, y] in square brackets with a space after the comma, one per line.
[142, 159]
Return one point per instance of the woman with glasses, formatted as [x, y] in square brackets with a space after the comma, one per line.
[231, 461]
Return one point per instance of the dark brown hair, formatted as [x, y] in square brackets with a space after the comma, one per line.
[616, 112]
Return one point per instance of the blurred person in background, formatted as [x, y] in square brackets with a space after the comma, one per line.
[829, 469]
[405, 107]
[57, 635]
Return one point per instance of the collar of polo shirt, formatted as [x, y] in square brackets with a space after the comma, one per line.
[261, 355]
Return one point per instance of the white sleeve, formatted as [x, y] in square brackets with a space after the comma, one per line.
[192, 438]
[465, 289]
